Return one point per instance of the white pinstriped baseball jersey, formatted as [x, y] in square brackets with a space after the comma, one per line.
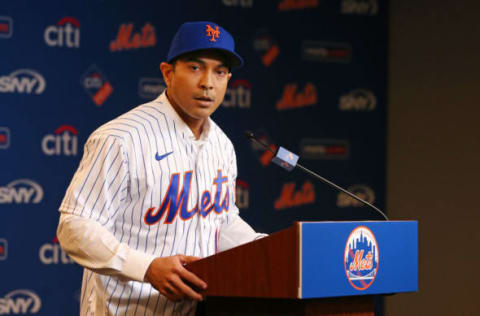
[144, 178]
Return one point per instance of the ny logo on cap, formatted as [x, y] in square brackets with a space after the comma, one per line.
[214, 33]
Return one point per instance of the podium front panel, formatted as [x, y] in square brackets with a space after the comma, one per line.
[358, 258]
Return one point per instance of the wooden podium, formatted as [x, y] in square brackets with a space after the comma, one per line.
[313, 268]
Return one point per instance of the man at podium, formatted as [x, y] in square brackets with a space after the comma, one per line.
[155, 188]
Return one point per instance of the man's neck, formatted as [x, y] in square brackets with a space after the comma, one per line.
[195, 125]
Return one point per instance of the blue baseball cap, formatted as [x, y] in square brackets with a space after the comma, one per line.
[193, 36]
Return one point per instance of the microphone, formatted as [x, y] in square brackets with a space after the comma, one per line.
[289, 161]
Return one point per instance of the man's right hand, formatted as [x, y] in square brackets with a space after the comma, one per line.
[168, 274]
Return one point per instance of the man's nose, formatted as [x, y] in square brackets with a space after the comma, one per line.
[206, 82]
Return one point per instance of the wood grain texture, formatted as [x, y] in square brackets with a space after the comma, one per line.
[263, 268]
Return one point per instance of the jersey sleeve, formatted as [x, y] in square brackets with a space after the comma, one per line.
[100, 184]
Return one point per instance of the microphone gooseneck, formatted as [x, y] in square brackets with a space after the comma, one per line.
[251, 136]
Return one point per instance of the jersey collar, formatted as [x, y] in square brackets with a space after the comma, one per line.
[182, 127]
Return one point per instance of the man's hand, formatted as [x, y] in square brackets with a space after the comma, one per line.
[168, 274]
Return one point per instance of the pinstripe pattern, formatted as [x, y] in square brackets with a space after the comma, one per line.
[119, 179]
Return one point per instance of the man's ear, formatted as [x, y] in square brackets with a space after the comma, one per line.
[167, 72]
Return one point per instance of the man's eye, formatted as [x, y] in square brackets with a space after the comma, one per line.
[193, 67]
[221, 72]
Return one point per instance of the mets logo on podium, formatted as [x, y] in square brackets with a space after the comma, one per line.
[361, 258]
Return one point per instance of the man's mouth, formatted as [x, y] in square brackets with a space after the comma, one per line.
[203, 98]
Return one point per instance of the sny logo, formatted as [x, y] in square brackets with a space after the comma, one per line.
[238, 95]
[65, 33]
[358, 100]
[213, 33]
[6, 27]
[291, 198]
[361, 258]
[23, 81]
[96, 85]
[126, 40]
[20, 302]
[292, 99]
[175, 202]
[63, 142]
[362, 191]
[4, 138]
[3, 249]
[21, 191]
[52, 253]
[360, 7]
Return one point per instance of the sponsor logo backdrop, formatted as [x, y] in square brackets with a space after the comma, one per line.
[314, 82]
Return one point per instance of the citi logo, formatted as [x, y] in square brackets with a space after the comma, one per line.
[238, 3]
[289, 197]
[238, 95]
[21, 191]
[20, 302]
[127, 40]
[65, 34]
[25, 81]
[63, 142]
[52, 253]
[360, 7]
[362, 191]
[242, 194]
[292, 98]
[358, 100]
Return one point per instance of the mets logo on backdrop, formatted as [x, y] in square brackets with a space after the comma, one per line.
[361, 258]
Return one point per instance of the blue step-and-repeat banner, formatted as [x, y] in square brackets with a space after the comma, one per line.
[314, 82]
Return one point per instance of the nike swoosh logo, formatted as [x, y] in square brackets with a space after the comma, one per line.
[160, 157]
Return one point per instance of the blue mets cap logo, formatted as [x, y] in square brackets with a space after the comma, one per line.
[361, 258]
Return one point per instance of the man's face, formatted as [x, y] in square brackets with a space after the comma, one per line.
[196, 85]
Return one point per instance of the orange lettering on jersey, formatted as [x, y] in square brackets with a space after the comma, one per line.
[213, 33]
[291, 198]
[292, 99]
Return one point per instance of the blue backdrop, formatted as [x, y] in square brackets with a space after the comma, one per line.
[314, 82]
